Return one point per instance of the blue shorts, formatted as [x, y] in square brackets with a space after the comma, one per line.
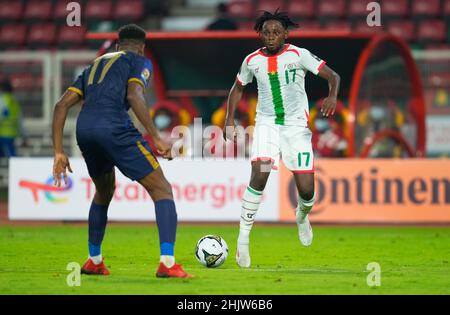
[124, 148]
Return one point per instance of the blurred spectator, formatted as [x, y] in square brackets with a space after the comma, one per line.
[244, 116]
[378, 116]
[223, 21]
[329, 138]
[166, 115]
[10, 120]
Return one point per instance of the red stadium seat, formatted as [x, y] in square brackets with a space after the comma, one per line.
[358, 8]
[430, 8]
[437, 79]
[42, 34]
[432, 30]
[447, 8]
[395, 7]
[403, 28]
[130, 10]
[38, 10]
[270, 5]
[364, 28]
[22, 81]
[74, 35]
[340, 25]
[241, 9]
[13, 34]
[309, 26]
[437, 46]
[246, 25]
[332, 8]
[10, 10]
[98, 10]
[301, 8]
[60, 11]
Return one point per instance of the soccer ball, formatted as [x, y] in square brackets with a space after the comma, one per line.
[211, 251]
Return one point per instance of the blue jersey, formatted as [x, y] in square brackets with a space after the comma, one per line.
[105, 133]
[103, 85]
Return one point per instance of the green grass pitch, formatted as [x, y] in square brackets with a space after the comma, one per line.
[413, 260]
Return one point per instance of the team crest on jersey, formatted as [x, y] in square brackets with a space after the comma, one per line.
[290, 66]
[145, 74]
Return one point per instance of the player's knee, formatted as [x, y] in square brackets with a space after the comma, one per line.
[162, 191]
[258, 181]
[106, 195]
[307, 194]
[111, 191]
[166, 189]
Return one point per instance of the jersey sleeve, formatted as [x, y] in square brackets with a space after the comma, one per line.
[78, 85]
[141, 71]
[310, 61]
[244, 76]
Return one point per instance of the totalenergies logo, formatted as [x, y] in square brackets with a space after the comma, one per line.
[50, 191]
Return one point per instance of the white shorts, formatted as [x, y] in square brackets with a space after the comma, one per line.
[291, 143]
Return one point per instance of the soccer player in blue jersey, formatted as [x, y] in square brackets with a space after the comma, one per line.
[110, 86]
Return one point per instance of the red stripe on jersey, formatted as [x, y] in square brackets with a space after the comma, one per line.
[273, 65]
[294, 51]
[250, 57]
[239, 81]
[307, 117]
[303, 172]
[321, 65]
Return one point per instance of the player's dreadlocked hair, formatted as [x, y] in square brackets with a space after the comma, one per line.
[131, 33]
[281, 17]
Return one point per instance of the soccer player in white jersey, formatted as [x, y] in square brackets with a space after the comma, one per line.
[282, 121]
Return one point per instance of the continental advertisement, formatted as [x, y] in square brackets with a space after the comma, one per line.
[374, 191]
[347, 191]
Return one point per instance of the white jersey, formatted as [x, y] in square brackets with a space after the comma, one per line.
[282, 97]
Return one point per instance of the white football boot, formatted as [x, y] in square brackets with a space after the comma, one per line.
[243, 255]
[305, 233]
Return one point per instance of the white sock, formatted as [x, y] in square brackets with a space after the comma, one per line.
[97, 259]
[168, 261]
[305, 206]
[250, 204]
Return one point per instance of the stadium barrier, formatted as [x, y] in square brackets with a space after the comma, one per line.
[347, 191]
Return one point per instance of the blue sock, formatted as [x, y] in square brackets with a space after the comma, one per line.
[166, 219]
[98, 216]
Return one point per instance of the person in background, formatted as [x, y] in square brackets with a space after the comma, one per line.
[223, 21]
[166, 115]
[10, 120]
[244, 116]
[328, 139]
[329, 133]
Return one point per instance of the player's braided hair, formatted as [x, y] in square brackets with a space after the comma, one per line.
[281, 17]
[131, 32]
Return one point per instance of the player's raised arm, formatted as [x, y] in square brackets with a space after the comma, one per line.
[234, 97]
[61, 162]
[136, 99]
[329, 104]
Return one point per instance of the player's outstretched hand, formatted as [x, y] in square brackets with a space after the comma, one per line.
[164, 149]
[229, 131]
[328, 106]
[60, 166]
